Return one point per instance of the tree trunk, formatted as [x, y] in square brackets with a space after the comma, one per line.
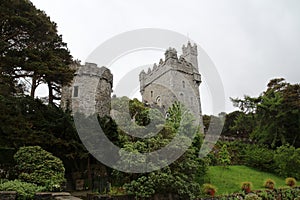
[50, 97]
[33, 86]
[89, 172]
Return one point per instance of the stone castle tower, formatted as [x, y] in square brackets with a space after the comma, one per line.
[174, 79]
[90, 90]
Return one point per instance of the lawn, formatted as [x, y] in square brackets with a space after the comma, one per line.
[229, 180]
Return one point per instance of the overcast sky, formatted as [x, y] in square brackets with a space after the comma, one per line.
[249, 42]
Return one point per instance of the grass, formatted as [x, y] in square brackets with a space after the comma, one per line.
[229, 180]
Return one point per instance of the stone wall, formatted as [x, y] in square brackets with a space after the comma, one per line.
[8, 195]
[175, 79]
[89, 92]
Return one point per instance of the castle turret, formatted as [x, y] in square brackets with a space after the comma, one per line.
[90, 90]
[174, 79]
[189, 53]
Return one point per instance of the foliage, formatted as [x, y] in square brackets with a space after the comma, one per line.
[269, 183]
[117, 191]
[287, 160]
[27, 122]
[259, 157]
[25, 190]
[179, 177]
[228, 128]
[246, 186]
[213, 124]
[236, 150]
[252, 197]
[38, 166]
[290, 181]
[209, 189]
[31, 50]
[273, 117]
[224, 156]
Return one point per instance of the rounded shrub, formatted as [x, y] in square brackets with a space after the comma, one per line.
[290, 181]
[269, 183]
[209, 189]
[24, 190]
[35, 165]
[246, 186]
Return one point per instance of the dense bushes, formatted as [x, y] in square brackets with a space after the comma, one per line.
[259, 157]
[35, 165]
[25, 190]
[287, 160]
[235, 149]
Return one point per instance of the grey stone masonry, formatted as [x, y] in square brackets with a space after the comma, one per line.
[174, 79]
[8, 195]
[90, 90]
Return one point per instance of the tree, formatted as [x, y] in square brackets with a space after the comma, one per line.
[229, 129]
[224, 156]
[183, 177]
[26, 122]
[31, 51]
[273, 117]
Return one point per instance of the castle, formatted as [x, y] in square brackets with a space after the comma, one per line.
[174, 79]
[90, 90]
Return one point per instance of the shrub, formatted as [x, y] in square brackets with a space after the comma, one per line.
[25, 190]
[38, 166]
[209, 189]
[287, 161]
[252, 197]
[246, 186]
[259, 157]
[290, 181]
[224, 156]
[269, 183]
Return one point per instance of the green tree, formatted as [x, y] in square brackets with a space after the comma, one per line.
[183, 177]
[224, 156]
[229, 129]
[26, 122]
[273, 117]
[31, 51]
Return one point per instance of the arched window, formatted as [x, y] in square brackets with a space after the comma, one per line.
[158, 99]
[183, 84]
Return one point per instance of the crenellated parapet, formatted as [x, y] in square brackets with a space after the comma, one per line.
[90, 90]
[174, 78]
[91, 69]
[171, 62]
[189, 49]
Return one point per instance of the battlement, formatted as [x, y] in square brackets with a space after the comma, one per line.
[189, 49]
[91, 69]
[171, 62]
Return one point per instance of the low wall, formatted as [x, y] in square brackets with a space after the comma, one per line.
[8, 195]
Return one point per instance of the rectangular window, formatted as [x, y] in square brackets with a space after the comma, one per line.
[75, 91]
